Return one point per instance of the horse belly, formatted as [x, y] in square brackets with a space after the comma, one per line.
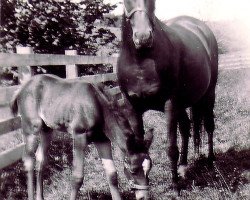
[56, 118]
[195, 84]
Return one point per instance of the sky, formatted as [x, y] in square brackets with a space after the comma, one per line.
[202, 9]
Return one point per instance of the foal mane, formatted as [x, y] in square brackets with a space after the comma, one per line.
[133, 143]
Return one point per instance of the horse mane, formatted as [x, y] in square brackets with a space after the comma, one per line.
[133, 143]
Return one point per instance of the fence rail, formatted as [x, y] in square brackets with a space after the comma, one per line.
[227, 62]
[21, 61]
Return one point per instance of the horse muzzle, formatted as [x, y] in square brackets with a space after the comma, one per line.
[143, 39]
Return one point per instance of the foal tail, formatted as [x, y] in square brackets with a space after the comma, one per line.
[13, 103]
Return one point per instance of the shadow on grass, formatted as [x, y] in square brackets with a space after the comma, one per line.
[230, 170]
[94, 195]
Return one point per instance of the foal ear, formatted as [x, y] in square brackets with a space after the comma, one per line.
[148, 138]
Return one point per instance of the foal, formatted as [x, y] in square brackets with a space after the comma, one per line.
[48, 103]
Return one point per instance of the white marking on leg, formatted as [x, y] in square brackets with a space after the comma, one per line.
[28, 163]
[108, 165]
[146, 165]
[39, 155]
[142, 194]
[182, 170]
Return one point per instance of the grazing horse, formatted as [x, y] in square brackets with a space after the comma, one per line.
[90, 114]
[169, 67]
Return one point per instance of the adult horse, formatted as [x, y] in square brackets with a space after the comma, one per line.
[90, 114]
[169, 67]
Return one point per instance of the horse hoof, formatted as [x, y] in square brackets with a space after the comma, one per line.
[210, 161]
[175, 190]
[182, 171]
[211, 158]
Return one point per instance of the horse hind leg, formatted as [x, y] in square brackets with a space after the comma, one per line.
[79, 144]
[31, 128]
[41, 157]
[209, 127]
[105, 153]
[197, 122]
[184, 126]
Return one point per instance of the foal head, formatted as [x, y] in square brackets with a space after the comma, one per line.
[137, 162]
[140, 14]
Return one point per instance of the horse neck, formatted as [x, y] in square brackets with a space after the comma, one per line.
[111, 128]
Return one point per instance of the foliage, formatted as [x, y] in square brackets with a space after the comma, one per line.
[51, 26]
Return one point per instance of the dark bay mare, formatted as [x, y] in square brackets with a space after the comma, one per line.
[169, 67]
[90, 114]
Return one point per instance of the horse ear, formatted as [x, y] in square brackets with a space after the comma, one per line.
[148, 138]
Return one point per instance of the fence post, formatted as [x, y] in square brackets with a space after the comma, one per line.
[71, 70]
[116, 55]
[26, 72]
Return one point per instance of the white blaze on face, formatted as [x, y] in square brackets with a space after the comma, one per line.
[146, 165]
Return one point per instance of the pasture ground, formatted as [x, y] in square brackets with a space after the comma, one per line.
[228, 179]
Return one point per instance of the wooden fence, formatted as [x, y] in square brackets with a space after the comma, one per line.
[24, 60]
[226, 62]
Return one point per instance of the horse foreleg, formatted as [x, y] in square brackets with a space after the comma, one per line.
[105, 153]
[184, 126]
[171, 113]
[79, 144]
[41, 157]
[31, 143]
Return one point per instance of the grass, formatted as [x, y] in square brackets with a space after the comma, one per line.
[229, 179]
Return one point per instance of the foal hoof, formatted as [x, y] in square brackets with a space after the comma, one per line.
[182, 171]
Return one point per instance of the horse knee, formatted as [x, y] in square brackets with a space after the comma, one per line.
[28, 162]
[30, 149]
[41, 158]
[36, 125]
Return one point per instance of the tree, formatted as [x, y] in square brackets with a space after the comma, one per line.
[51, 26]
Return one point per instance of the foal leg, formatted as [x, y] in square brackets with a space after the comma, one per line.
[79, 144]
[105, 153]
[41, 157]
[184, 126]
[31, 131]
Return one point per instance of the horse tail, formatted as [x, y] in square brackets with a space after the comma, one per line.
[14, 104]
[196, 117]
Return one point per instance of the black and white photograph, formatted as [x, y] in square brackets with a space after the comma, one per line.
[124, 100]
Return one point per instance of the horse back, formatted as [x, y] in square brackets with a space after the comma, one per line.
[198, 56]
[62, 104]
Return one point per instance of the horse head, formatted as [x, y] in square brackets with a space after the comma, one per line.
[137, 162]
[137, 165]
[140, 15]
